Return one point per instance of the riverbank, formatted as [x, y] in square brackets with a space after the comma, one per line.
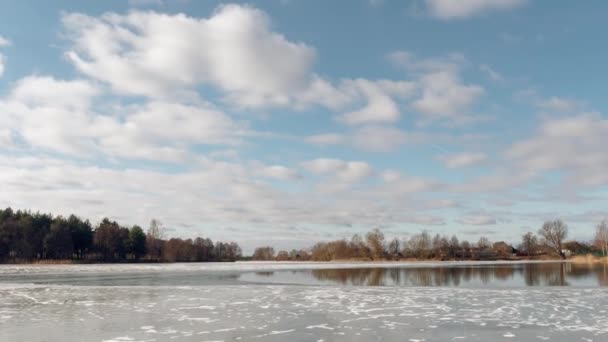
[589, 259]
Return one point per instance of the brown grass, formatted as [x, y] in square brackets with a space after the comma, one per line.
[589, 259]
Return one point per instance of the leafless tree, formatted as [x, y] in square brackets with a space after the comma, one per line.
[465, 246]
[502, 249]
[420, 245]
[601, 237]
[529, 244]
[454, 245]
[263, 253]
[394, 248]
[553, 234]
[375, 241]
[282, 256]
[483, 243]
[154, 237]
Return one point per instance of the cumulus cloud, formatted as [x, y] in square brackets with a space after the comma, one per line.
[279, 172]
[381, 107]
[450, 9]
[463, 159]
[147, 53]
[442, 93]
[342, 171]
[61, 116]
[573, 145]
[160, 56]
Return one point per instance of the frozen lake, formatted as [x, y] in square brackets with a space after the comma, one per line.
[305, 302]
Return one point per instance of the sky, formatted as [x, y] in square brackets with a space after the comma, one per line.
[289, 122]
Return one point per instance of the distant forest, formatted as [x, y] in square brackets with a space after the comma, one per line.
[549, 242]
[36, 237]
[32, 237]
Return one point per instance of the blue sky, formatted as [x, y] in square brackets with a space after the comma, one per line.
[290, 121]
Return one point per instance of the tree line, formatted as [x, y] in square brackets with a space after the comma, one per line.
[549, 240]
[27, 237]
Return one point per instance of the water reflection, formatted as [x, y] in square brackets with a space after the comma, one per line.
[541, 274]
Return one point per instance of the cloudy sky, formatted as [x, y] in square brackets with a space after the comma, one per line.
[291, 121]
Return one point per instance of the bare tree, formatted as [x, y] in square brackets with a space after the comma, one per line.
[454, 245]
[554, 233]
[529, 244]
[154, 237]
[420, 245]
[394, 248]
[375, 241]
[502, 249]
[263, 253]
[465, 246]
[601, 237]
[483, 243]
[282, 256]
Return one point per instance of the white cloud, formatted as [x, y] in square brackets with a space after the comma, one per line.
[3, 42]
[60, 116]
[459, 9]
[38, 91]
[390, 176]
[211, 193]
[373, 138]
[279, 172]
[151, 54]
[477, 220]
[427, 220]
[340, 170]
[325, 139]
[463, 159]
[397, 184]
[558, 104]
[573, 145]
[51, 114]
[492, 74]
[379, 138]
[160, 56]
[6, 137]
[381, 107]
[442, 93]
[386, 138]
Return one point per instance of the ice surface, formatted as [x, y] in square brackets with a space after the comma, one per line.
[207, 302]
[300, 313]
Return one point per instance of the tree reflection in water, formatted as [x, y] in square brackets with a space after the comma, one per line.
[541, 274]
